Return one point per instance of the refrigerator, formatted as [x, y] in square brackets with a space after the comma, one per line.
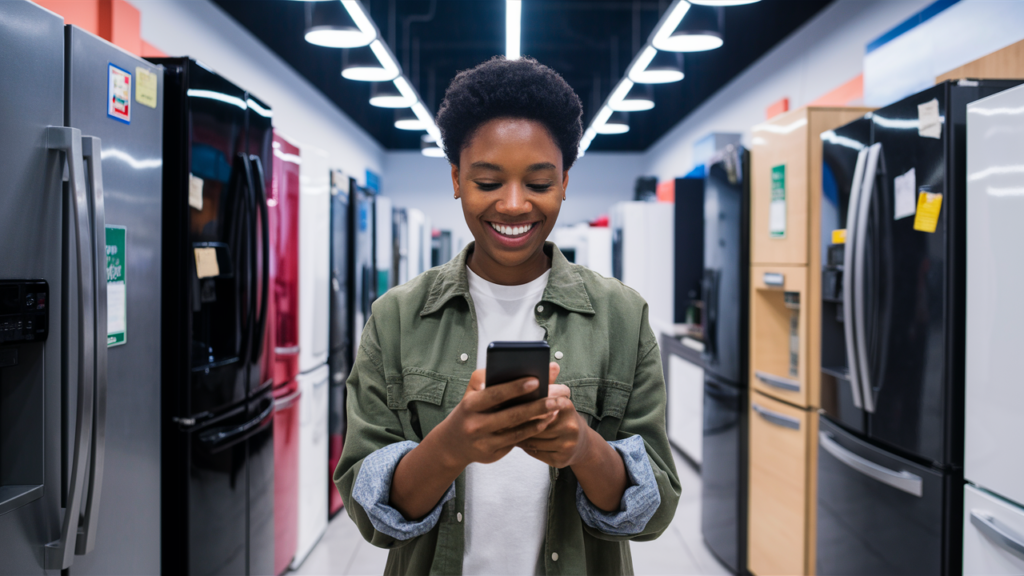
[642, 255]
[314, 331]
[282, 344]
[340, 357]
[79, 292]
[218, 405]
[993, 514]
[400, 254]
[586, 245]
[724, 290]
[383, 245]
[364, 263]
[891, 437]
[689, 242]
[419, 242]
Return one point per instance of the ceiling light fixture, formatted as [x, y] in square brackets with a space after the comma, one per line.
[373, 65]
[406, 120]
[654, 67]
[617, 123]
[431, 148]
[669, 22]
[330, 25]
[619, 102]
[700, 31]
[387, 95]
[723, 2]
[513, 29]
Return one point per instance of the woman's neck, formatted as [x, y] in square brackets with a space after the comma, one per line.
[496, 273]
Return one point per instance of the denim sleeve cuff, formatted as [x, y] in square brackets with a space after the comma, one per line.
[640, 500]
[372, 490]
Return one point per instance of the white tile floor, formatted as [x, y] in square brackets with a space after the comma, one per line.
[679, 551]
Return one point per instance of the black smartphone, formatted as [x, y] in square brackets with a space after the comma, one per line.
[509, 361]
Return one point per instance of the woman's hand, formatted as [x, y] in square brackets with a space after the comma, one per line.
[567, 439]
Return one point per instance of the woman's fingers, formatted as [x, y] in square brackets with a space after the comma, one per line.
[476, 382]
[514, 436]
[558, 391]
[553, 371]
[511, 417]
[492, 396]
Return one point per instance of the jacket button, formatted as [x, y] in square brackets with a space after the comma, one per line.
[554, 556]
[458, 516]
[540, 308]
[558, 355]
[464, 357]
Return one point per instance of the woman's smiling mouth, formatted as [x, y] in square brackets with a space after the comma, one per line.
[512, 231]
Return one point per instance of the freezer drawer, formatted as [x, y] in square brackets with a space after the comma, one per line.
[723, 472]
[782, 458]
[993, 534]
[877, 513]
[686, 406]
[779, 339]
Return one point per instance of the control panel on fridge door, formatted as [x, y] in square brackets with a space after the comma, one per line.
[24, 311]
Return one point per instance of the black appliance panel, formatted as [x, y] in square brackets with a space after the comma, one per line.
[261, 484]
[24, 311]
[723, 472]
[869, 526]
[689, 243]
[259, 148]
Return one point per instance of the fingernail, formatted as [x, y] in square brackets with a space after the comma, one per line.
[551, 403]
[531, 384]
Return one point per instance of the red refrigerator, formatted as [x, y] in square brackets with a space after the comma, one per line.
[282, 346]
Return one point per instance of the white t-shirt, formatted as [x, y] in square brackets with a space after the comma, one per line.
[507, 500]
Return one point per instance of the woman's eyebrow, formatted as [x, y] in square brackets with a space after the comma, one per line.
[487, 166]
[540, 166]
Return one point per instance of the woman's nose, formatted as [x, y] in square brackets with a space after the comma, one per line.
[514, 202]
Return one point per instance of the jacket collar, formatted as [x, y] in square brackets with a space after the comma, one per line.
[565, 285]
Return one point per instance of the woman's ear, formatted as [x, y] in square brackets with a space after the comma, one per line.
[565, 183]
[455, 180]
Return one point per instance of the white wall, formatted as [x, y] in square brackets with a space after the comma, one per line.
[820, 56]
[597, 181]
[200, 29]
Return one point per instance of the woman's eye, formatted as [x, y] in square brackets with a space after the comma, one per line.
[539, 187]
[488, 186]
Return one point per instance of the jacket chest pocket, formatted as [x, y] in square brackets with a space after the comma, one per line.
[602, 402]
[418, 401]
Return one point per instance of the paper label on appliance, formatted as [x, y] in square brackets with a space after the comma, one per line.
[929, 204]
[117, 286]
[206, 263]
[929, 123]
[904, 189]
[119, 94]
[839, 236]
[145, 87]
[195, 192]
[777, 207]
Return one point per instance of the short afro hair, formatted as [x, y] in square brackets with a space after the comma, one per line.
[500, 88]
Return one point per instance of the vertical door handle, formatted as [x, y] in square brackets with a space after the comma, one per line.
[260, 198]
[246, 248]
[901, 480]
[59, 554]
[859, 282]
[1000, 533]
[92, 151]
[848, 277]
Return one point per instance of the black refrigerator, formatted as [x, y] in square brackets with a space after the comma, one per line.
[689, 239]
[218, 459]
[341, 355]
[725, 292]
[890, 457]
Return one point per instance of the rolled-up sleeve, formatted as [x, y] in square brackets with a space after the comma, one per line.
[640, 500]
[372, 490]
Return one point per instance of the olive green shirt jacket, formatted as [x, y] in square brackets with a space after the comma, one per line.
[415, 358]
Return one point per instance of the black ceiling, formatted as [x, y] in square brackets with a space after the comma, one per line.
[589, 42]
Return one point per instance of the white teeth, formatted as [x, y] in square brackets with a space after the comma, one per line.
[511, 230]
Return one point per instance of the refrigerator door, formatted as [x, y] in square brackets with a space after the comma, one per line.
[724, 472]
[287, 400]
[877, 513]
[364, 277]
[260, 461]
[124, 537]
[340, 358]
[993, 534]
[384, 245]
[726, 263]
[209, 225]
[259, 144]
[313, 507]
[31, 484]
[993, 457]
[843, 159]
[400, 250]
[283, 203]
[689, 245]
[314, 258]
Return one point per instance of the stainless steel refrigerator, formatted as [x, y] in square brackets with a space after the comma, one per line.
[724, 290]
[341, 311]
[890, 458]
[218, 408]
[364, 278]
[79, 291]
[993, 454]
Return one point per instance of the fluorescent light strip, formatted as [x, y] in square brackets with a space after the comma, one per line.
[220, 96]
[363, 22]
[669, 24]
[513, 29]
[384, 57]
[259, 109]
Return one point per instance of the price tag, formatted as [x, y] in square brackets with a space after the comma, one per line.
[145, 87]
[117, 286]
[929, 204]
[206, 263]
[777, 207]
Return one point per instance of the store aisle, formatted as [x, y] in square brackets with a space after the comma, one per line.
[679, 551]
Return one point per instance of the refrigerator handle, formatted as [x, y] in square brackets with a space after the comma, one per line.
[776, 418]
[859, 324]
[902, 480]
[59, 554]
[998, 532]
[848, 276]
[92, 149]
[260, 193]
[246, 244]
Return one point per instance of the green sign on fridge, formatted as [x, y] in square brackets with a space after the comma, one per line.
[777, 207]
[117, 296]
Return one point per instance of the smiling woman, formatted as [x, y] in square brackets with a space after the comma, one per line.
[432, 467]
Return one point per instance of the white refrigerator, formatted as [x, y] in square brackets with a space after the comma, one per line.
[994, 443]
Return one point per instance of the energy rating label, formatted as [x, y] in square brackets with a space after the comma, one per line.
[117, 286]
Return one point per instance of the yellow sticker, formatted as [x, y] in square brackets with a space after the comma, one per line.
[928, 206]
[206, 262]
[145, 87]
[839, 236]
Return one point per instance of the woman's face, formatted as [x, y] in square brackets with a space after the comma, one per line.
[511, 183]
